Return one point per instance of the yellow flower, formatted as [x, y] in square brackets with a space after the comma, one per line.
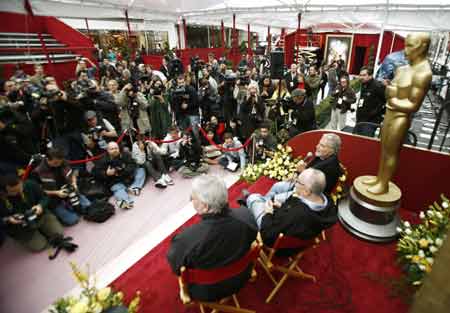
[79, 307]
[343, 178]
[423, 243]
[103, 293]
[80, 276]
[119, 295]
[415, 259]
[96, 308]
[279, 147]
[288, 149]
[338, 189]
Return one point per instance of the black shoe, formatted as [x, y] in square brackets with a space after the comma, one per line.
[243, 200]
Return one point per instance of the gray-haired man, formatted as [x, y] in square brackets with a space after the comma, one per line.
[216, 241]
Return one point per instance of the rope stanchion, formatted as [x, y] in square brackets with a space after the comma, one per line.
[221, 148]
[159, 141]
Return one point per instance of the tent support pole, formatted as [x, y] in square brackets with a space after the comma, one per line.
[380, 40]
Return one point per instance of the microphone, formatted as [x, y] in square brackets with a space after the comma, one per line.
[308, 158]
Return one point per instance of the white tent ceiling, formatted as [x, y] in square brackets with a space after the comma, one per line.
[397, 15]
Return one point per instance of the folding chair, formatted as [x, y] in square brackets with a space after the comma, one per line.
[292, 268]
[212, 276]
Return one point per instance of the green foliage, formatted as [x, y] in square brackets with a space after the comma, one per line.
[323, 112]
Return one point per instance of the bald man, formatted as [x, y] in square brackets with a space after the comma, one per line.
[118, 171]
[302, 213]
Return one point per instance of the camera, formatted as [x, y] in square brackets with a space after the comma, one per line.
[157, 90]
[230, 78]
[175, 68]
[28, 218]
[118, 165]
[72, 195]
[95, 132]
[244, 81]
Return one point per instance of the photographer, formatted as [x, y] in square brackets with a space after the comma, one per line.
[266, 88]
[300, 116]
[82, 66]
[207, 97]
[23, 209]
[191, 154]
[133, 112]
[184, 103]
[59, 182]
[252, 111]
[97, 133]
[118, 171]
[160, 119]
[312, 84]
[146, 154]
[229, 158]
[226, 92]
[343, 98]
[16, 140]
[265, 142]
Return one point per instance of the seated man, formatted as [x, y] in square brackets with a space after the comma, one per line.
[97, 133]
[191, 154]
[216, 241]
[23, 209]
[118, 171]
[59, 182]
[170, 149]
[302, 213]
[232, 157]
[326, 160]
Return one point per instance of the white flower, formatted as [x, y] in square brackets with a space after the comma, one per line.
[408, 231]
[79, 307]
[399, 229]
[445, 204]
[433, 249]
[421, 253]
[438, 242]
[430, 260]
[439, 215]
[430, 213]
[97, 308]
[422, 215]
[407, 224]
[103, 293]
[422, 267]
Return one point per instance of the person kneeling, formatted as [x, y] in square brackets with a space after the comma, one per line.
[118, 170]
[191, 153]
[23, 208]
[302, 213]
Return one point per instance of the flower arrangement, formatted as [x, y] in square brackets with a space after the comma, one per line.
[281, 166]
[418, 244]
[92, 299]
[340, 188]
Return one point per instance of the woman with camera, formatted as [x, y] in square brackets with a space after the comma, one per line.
[133, 109]
[160, 118]
[252, 111]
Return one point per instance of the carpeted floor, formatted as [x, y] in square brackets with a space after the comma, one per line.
[353, 276]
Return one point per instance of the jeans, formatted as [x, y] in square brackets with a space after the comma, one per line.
[65, 212]
[120, 190]
[338, 119]
[278, 188]
[256, 204]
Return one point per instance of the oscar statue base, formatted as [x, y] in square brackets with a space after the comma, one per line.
[371, 217]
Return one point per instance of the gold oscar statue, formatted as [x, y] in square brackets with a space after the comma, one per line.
[371, 210]
[404, 97]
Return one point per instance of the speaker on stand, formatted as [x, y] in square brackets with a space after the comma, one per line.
[277, 64]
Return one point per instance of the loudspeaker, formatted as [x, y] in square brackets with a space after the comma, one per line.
[276, 64]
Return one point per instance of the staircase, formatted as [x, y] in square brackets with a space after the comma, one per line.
[27, 48]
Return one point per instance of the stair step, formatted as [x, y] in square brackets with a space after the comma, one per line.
[31, 58]
[26, 45]
[12, 39]
[2, 34]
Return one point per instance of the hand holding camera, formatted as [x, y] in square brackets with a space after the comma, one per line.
[111, 171]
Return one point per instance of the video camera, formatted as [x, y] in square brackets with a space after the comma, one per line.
[244, 81]
[95, 132]
[118, 165]
[175, 68]
[157, 90]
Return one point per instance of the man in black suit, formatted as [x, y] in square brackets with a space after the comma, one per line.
[216, 241]
[326, 160]
[291, 78]
[301, 113]
[302, 213]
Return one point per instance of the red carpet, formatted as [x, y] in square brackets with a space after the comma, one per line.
[341, 265]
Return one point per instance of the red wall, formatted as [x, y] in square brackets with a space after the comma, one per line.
[20, 23]
[359, 40]
[422, 174]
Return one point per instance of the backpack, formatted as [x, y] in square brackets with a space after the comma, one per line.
[99, 211]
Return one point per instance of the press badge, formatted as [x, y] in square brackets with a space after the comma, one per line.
[340, 101]
[292, 84]
[361, 102]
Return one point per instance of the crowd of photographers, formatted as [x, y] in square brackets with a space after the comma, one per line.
[116, 124]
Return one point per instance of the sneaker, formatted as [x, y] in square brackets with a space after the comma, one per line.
[160, 183]
[136, 191]
[167, 179]
[122, 204]
[130, 205]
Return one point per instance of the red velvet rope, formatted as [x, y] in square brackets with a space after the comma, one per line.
[96, 157]
[221, 148]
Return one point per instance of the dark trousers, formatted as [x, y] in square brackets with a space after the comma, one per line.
[365, 130]
[155, 167]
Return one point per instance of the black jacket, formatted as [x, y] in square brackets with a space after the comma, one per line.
[126, 174]
[294, 218]
[330, 167]
[343, 98]
[371, 105]
[291, 83]
[216, 241]
[304, 116]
